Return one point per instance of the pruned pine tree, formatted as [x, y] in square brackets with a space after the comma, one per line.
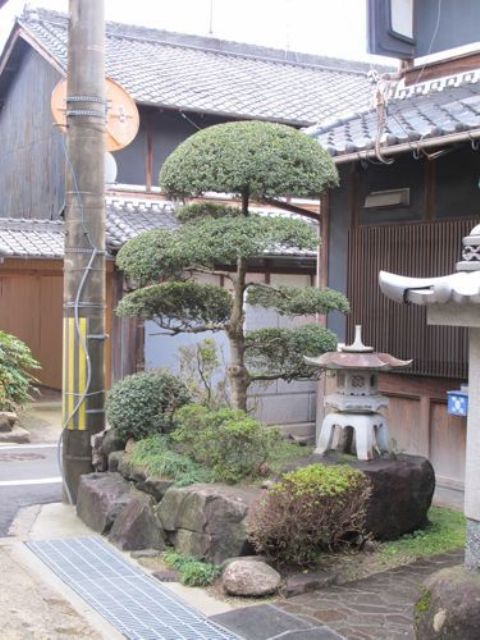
[252, 160]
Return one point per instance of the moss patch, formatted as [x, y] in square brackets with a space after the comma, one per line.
[445, 533]
[193, 572]
[423, 603]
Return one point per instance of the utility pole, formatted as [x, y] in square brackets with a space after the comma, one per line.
[84, 263]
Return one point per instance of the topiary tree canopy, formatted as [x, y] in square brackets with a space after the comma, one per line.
[248, 159]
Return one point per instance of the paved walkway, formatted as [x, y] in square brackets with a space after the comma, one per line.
[376, 608]
[28, 475]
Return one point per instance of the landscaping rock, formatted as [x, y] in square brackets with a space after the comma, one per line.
[250, 579]
[228, 561]
[157, 487]
[101, 496]
[114, 460]
[167, 575]
[449, 607]
[129, 471]
[103, 444]
[402, 491]
[299, 583]
[208, 520]
[145, 553]
[7, 421]
[17, 434]
[137, 526]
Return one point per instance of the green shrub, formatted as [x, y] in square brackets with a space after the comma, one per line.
[312, 509]
[203, 374]
[155, 455]
[199, 210]
[145, 403]
[16, 364]
[193, 572]
[230, 443]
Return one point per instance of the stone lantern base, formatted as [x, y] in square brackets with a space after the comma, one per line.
[370, 429]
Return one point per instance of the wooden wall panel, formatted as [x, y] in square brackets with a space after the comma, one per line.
[49, 316]
[447, 446]
[31, 308]
[420, 425]
[32, 157]
[421, 249]
[404, 419]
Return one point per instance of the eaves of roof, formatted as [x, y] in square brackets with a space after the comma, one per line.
[428, 115]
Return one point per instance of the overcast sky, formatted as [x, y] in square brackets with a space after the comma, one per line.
[315, 26]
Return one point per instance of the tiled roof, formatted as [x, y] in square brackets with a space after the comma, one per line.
[126, 217]
[426, 110]
[206, 75]
[31, 238]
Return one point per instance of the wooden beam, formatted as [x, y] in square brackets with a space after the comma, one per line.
[287, 206]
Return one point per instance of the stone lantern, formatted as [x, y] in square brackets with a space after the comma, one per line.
[357, 402]
[454, 300]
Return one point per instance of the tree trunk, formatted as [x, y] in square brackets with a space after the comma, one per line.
[237, 372]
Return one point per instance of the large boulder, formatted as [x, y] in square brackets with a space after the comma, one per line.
[208, 520]
[250, 579]
[155, 486]
[130, 471]
[7, 421]
[101, 497]
[17, 434]
[103, 444]
[402, 491]
[137, 525]
[449, 607]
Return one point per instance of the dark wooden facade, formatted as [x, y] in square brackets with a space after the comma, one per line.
[31, 154]
[421, 239]
[32, 159]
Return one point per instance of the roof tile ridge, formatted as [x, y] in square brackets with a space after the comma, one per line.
[245, 55]
[9, 222]
[437, 85]
[117, 29]
[25, 26]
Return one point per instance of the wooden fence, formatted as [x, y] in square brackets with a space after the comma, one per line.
[421, 249]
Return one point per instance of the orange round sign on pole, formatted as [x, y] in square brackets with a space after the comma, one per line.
[122, 119]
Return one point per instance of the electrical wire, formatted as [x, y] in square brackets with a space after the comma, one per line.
[82, 341]
[432, 40]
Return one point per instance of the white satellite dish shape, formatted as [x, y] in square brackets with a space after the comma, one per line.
[111, 169]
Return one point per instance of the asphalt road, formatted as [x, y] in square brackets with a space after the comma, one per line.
[29, 475]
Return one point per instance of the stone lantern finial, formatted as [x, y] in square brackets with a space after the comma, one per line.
[357, 345]
[471, 251]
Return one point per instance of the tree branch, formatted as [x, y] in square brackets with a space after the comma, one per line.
[213, 272]
[184, 328]
[265, 377]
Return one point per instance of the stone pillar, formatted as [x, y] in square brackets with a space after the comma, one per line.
[472, 467]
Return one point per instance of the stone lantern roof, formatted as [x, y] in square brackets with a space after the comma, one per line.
[461, 287]
[357, 356]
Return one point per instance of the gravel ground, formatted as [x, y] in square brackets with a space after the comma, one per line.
[30, 610]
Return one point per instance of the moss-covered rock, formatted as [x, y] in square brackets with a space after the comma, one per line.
[449, 606]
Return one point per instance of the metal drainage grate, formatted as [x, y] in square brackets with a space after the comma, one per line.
[134, 603]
